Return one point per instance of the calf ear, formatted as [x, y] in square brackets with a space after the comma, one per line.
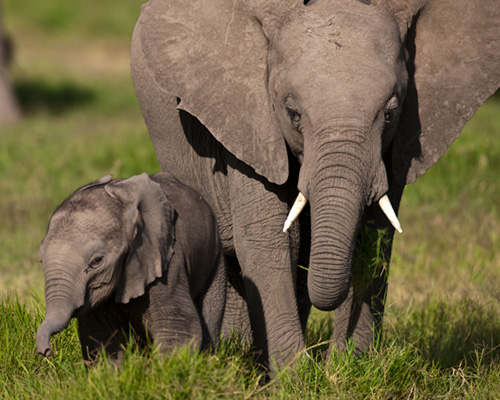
[454, 66]
[148, 220]
[101, 181]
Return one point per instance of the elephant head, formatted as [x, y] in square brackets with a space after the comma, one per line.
[365, 94]
[108, 240]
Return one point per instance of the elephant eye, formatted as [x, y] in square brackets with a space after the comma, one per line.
[391, 106]
[95, 262]
[294, 117]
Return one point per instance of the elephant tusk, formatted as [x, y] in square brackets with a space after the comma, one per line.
[297, 207]
[385, 205]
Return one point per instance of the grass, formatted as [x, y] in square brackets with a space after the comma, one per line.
[413, 362]
[82, 121]
[452, 220]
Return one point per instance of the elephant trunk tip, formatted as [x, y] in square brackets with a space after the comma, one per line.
[45, 353]
[44, 333]
[330, 299]
[43, 343]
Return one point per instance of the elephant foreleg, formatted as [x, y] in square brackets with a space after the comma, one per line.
[267, 261]
[172, 318]
[236, 318]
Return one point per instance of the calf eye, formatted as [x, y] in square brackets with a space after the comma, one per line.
[95, 262]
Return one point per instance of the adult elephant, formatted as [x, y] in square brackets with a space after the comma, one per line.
[347, 101]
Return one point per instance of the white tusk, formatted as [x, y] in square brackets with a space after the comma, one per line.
[297, 207]
[385, 205]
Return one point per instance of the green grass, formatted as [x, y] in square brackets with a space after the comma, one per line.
[451, 219]
[413, 362]
[82, 121]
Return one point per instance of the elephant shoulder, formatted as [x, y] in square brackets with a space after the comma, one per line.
[187, 202]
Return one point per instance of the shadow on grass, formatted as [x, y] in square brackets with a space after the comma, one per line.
[447, 334]
[450, 335]
[55, 98]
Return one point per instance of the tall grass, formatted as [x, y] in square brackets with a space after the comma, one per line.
[82, 121]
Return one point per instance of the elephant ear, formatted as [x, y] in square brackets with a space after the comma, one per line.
[212, 55]
[454, 65]
[149, 223]
[99, 182]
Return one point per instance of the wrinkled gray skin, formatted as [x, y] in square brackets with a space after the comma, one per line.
[9, 107]
[141, 252]
[248, 101]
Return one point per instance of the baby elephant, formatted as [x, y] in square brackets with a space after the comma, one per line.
[144, 253]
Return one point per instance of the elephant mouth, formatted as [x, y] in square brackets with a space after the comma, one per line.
[384, 203]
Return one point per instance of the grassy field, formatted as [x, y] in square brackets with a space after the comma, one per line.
[82, 121]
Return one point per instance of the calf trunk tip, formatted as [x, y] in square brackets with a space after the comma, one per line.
[43, 343]
[45, 353]
[45, 332]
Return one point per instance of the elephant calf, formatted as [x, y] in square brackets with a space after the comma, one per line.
[140, 253]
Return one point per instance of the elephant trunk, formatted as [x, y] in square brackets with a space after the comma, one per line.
[334, 224]
[62, 299]
[53, 323]
[338, 188]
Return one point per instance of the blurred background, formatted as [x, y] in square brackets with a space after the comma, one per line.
[69, 69]
[79, 120]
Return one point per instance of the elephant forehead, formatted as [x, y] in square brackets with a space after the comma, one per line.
[340, 60]
[55, 251]
[96, 220]
[68, 254]
[77, 235]
[337, 28]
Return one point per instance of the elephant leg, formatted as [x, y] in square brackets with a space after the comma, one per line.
[359, 318]
[267, 261]
[212, 303]
[236, 318]
[103, 328]
[172, 318]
